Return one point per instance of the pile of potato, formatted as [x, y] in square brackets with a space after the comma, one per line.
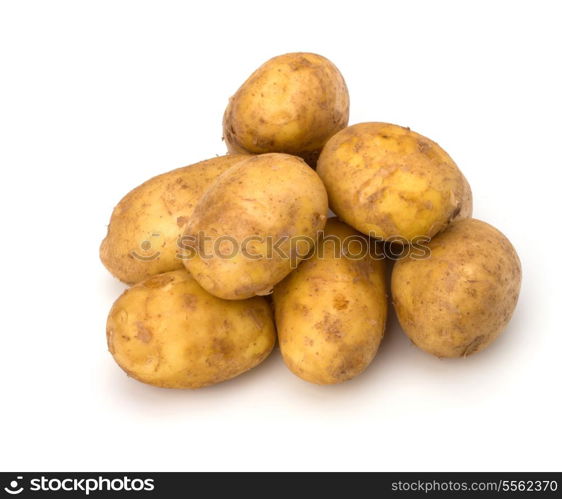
[204, 246]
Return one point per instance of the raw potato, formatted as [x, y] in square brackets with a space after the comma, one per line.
[457, 301]
[331, 312]
[293, 104]
[143, 232]
[168, 332]
[390, 182]
[258, 203]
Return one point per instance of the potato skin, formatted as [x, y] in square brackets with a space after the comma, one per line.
[167, 331]
[390, 182]
[331, 312]
[292, 104]
[457, 301]
[156, 212]
[266, 197]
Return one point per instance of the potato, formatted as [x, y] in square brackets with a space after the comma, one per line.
[389, 182]
[458, 300]
[331, 311]
[293, 104]
[145, 226]
[264, 204]
[169, 332]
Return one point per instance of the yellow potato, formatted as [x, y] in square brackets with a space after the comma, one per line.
[169, 332]
[263, 204]
[293, 104]
[331, 311]
[389, 182]
[457, 301]
[145, 226]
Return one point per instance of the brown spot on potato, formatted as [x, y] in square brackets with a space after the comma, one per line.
[331, 326]
[223, 346]
[123, 316]
[364, 269]
[474, 345]
[423, 146]
[181, 221]
[300, 307]
[143, 333]
[340, 302]
[450, 280]
[257, 316]
[190, 301]
[315, 219]
[351, 361]
[455, 213]
[376, 196]
[158, 281]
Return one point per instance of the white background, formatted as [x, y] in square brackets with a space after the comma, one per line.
[98, 96]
